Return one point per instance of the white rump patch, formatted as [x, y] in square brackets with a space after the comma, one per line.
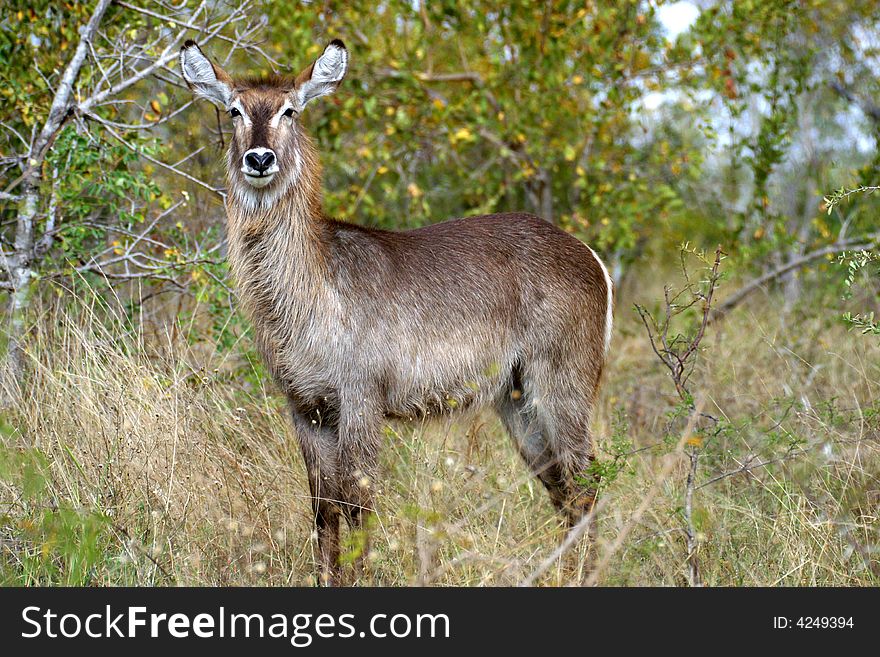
[609, 306]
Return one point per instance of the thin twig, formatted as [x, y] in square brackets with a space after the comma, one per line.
[669, 464]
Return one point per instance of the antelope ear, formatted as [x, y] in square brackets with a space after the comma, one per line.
[325, 75]
[205, 78]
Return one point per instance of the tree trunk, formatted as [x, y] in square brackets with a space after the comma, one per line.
[21, 263]
[21, 277]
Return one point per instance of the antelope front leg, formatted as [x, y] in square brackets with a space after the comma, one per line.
[318, 446]
[359, 440]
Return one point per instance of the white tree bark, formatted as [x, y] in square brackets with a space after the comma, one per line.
[20, 263]
[20, 267]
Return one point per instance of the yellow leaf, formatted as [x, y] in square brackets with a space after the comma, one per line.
[414, 190]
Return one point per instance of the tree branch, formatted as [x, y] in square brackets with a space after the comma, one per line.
[61, 102]
[189, 25]
[855, 244]
[216, 190]
[871, 111]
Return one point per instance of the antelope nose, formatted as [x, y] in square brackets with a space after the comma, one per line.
[259, 159]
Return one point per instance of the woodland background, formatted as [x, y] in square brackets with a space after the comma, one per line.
[141, 441]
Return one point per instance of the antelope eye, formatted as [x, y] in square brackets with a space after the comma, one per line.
[288, 112]
[234, 112]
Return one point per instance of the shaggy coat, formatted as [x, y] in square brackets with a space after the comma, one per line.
[359, 325]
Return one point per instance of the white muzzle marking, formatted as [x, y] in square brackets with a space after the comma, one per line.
[255, 177]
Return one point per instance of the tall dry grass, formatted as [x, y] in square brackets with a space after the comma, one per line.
[182, 461]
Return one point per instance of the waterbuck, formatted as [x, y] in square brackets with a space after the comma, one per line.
[359, 326]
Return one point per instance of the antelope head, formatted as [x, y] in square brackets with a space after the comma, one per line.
[268, 147]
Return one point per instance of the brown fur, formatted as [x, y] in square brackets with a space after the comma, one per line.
[359, 326]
